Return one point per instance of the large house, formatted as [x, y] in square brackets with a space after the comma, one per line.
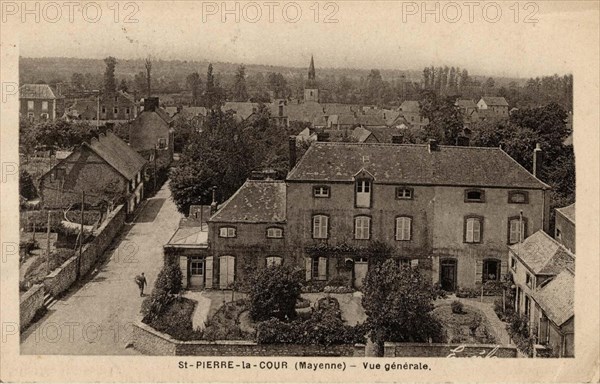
[448, 210]
[493, 107]
[37, 102]
[106, 169]
[544, 273]
[151, 133]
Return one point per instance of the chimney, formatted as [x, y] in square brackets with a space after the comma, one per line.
[150, 103]
[397, 139]
[538, 159]
[322, 136]
[213, 205]
[462, 141]
[257, 175]
[433, 145]
[292, 145]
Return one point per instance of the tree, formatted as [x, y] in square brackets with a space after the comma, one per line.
[240, 92]
[398, 302]
[445, 119]
[278, 85]
[148, 66]
[194, 83]
[26, 186]
[139, 82]
[214, 94]
[123, 87]
[110, 83]
[274, 293]
[77, 81]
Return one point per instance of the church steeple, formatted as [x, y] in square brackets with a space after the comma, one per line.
[311, 69]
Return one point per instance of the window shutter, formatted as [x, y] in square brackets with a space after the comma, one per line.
[503, 268]
[308, 266]
[414, 263]
[183, 265]
[476, 230]
[209, 272]
[316, 226]
[398, 229]
[322, 268]
[407, 224]
[479, 271]
[469, 234]
[325, 226]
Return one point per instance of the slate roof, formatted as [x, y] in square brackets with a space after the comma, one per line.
[557, 298]
[370, 120]
[413, 164]
[360, 134]
[568, 212]
[118, 154]
[36, 91]
[465, 103]
[542, 254]
[498, 101]
[242, 109]
[190, 237]
[257, 201]
[410, 106]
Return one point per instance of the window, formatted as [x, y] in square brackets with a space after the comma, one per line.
[30, 105]
[44, 116]
[44, 105]
[162, 143]
[363, 193]
[321, 191]
[127, 110]
[227, 232]
[103, 109]
[116, 110]
[197, 266]
[527, 306]
[474, 196]
[319, 268]
[513, 264]
[403, 228]
[518, 197]
[273, 261]
[558, 234]
[491, 270]
[529, 280]
[517, 229]
[404, 193]
[362, 227]
[274, 233]
[320, 226]
[30, 116]
[473, 229]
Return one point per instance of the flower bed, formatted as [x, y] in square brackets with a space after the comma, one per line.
[470, 326]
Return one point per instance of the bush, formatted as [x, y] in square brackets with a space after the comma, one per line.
[274, 293]
[467, 292]
[457, 307]
[170, 279]
[176, 319]
[28, 246]
[502, 314]
[324, 327]
[225, 324]
[338, 281]
[518, 329]
[313, 286]
[302, 303]
[155, 305]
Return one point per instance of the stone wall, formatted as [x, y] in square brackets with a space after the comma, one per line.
[149, 341]
[31, 302]
[64, 276]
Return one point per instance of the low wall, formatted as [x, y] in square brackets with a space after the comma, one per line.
[447, 350]
[31, 302]
[64, 276]
[149, 341]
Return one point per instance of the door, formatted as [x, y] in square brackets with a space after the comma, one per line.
[448, 274]
[197, 272]
[226, 271]
[360, 271]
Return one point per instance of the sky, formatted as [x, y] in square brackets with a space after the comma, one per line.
[513, 39]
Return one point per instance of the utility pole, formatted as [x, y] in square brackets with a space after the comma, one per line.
[80, 236]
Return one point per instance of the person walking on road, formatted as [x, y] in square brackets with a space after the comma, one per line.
[141, 282]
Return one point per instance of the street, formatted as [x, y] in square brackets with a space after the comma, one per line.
[95, 316]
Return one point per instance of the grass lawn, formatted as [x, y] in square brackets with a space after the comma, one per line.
[469, 327]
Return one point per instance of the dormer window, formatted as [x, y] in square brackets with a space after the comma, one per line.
[474, 196]
[363, 193]
[321, 191]
[274, 233]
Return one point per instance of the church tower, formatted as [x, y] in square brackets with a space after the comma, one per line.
[311, 91]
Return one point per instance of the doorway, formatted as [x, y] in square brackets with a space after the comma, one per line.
[360, 271]
[197, 269]
[448, 274]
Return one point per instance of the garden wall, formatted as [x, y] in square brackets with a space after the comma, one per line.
[149, 341]
[31, 302]
[64, 276]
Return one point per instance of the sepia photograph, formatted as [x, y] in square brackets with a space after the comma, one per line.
[254, 189]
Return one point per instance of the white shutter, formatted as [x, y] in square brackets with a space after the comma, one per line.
[322, 268]
[469, 235]
[183, 265]
[398, 229]
[478, 271]
[414, 263]
[503, 268]
[514, 231]
[324, 226]
[406, 228]
[230, 270]
[476, 231]
[209, 272]
[308, 265]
